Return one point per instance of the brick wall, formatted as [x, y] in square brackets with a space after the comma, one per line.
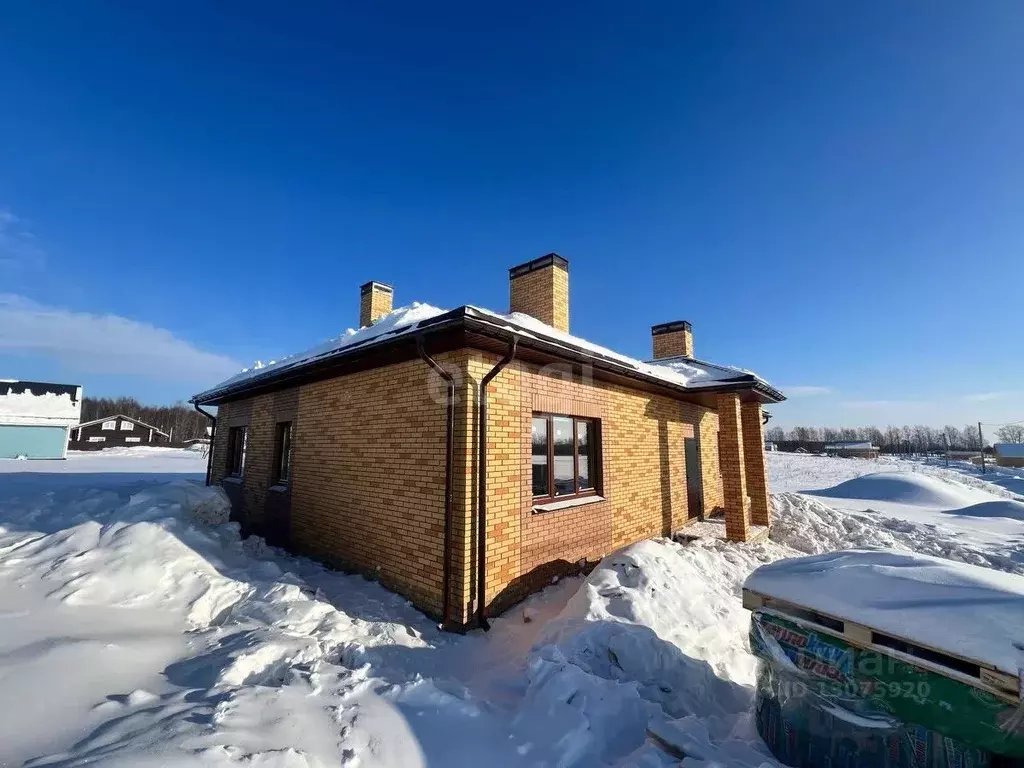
[260, 415]
[674, 344]
[542, 294]
[644, 474]
[755, 466]
[375, 301]
[734, 476]
[711, 472]
[369, 466]
[367, 490]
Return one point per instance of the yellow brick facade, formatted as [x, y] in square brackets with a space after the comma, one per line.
[711, 472]
[375, 301]
[676, 344]
[368, 470]
[755, 463]
[643, 473]
[542, 294]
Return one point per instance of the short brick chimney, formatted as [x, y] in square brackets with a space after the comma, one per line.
[672, 339]
[540, 289]
[375, 301]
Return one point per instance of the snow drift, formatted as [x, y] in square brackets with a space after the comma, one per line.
[903, 488]
[654, 640]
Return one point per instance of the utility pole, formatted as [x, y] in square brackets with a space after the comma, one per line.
[981, 442]
[946, 438]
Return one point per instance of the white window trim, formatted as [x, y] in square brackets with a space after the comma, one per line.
[109, 425]
[133, 439]
[127, 426]
[97, 439]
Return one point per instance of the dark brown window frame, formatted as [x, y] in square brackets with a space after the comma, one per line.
[236, 468]
[597, 476]
[281, 429]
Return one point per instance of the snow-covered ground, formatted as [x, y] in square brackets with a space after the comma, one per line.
[139, 630]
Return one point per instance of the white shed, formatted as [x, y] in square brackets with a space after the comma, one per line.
[35, 417]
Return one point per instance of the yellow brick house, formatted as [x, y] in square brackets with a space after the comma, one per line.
[466, 457]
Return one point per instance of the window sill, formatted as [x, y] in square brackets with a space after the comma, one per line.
[555, 506]
[279, 488]
[232, 479]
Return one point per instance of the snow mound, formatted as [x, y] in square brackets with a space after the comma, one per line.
[807, 525]
[903, 488]
[141, 554]
[656, 634]
[908, 595]
[1012, 510]
[812, 527]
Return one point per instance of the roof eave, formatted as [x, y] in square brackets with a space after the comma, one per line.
[435, 324]
[470, 319]
[476, 321]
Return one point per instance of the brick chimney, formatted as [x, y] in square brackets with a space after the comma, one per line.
[540, 288]
[672, 339]
[374, 302]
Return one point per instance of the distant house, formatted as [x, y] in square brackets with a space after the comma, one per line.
[116, 430]
[1009, 454]
[770, 446]
[860, 449]
[35, 417]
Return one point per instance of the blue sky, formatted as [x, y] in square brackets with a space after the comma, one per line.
[830, 194]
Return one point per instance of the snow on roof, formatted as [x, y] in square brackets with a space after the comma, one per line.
[683, 371]
[1009, 450]
[23, 404]
[680, 371]
[851, 445]
[911, 596]
[397, 322]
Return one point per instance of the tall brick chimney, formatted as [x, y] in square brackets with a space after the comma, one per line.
[672, 339]
[540, 288]
[374, 302]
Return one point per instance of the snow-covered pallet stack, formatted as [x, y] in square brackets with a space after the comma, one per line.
[891, 651]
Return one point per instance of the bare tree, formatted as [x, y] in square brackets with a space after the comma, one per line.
[1011, 433]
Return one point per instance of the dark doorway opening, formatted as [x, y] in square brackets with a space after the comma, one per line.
[694, 479]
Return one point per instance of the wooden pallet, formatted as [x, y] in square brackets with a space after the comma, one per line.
[976, 673]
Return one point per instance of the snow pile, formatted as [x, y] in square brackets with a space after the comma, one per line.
[45, 407]
[140, 630]
[135, 636]
[807, 474]
[655, 639]
[129, 560]
[809, 526]
[912, 596]
[905, 488]
[399, 320]
[702, 374]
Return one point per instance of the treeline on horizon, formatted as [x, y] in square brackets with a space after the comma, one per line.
[180, 421]
[915, 439]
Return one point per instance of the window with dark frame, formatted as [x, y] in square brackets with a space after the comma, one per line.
[237, 438]
[564, 457]
[283, 453]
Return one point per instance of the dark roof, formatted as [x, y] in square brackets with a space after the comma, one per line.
[40, 388]
[485, 323]
[126, 418]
